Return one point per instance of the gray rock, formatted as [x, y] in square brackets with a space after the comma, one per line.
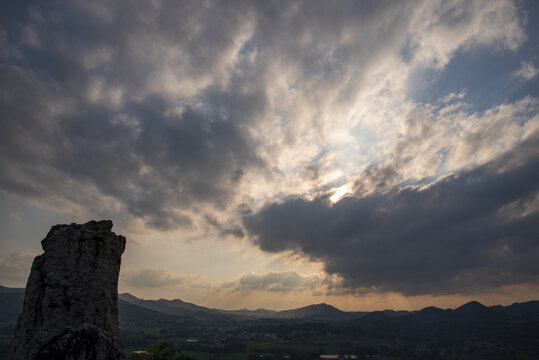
[71, 302]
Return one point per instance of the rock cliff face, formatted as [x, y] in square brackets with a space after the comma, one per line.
[71, 303]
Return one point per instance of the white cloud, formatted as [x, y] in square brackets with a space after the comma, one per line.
[442, 27]
[153, 277]
[279, 282]
[290, 282]
[527, 70]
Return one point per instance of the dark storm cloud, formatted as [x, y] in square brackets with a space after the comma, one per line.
[71, 41]
[127, 100]
[83, 105]
[148, 160]
[165, 107]
[473, 230]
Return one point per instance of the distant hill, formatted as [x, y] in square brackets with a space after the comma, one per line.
[174, 307]
[128, 297]
[475, 311]
[376, 316]
[259, 313]
[133, 314]
[429, 314]
[397, 313]
[519, 309]
[469, 312]
[320, 312]
[323, 312]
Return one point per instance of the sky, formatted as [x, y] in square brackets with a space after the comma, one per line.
[274, 154]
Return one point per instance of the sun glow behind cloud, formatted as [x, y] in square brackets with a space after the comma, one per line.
[339, 193]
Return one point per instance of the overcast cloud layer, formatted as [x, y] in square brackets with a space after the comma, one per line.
[250, 120]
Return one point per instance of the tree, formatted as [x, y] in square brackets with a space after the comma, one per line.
[165, 351]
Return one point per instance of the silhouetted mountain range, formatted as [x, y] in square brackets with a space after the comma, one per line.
[137, 310]
[469, 312]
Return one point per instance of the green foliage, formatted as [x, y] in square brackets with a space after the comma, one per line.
[165, 351]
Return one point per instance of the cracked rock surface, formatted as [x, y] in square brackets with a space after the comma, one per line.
[71, 303]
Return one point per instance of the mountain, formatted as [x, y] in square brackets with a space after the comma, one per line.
[179, 305]
[429, 314]
[319, 312]
[323, 312]
[259, 313]
[174, 307]
[375, 316]
[469, 312]
[137, 310]
[130, 313]
[519, 309]
[475, 311]
[397, 313]
[128, 297]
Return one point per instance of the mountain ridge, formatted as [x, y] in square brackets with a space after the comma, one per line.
[177, 309]
[470, 311]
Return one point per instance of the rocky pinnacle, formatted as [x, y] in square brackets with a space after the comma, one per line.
[71, 303]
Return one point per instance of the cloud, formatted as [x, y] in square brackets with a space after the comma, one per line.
[285, 281]
[436, 139]
[224, 230]
[166, 111]
[453, 236]
[112, 121]
[153, 277]
[441, 28]
[526, 71]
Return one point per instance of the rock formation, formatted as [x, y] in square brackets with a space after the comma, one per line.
[71, 303]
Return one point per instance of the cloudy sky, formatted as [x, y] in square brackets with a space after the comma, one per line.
[274, 154]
